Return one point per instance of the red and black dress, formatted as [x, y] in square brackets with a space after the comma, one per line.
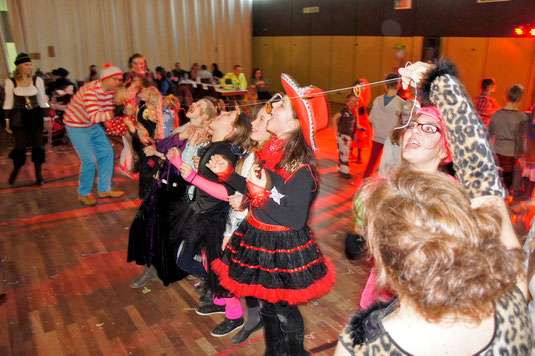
[273, 254]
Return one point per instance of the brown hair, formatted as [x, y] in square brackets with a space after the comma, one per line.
[135, 56]
[242, 136]
[392, 84]
[431, 247]
[515, 92]
[296, 150]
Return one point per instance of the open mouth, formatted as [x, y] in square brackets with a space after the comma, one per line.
[412, 143]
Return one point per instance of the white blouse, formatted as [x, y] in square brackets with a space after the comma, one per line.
[37, 89]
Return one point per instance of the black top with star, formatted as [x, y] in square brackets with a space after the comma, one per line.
[204, 201]
[289, 201]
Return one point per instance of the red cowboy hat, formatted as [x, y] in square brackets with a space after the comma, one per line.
[310, 104]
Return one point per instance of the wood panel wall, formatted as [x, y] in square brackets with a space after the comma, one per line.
[337, 61]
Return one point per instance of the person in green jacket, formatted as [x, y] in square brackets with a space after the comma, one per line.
[234, 80]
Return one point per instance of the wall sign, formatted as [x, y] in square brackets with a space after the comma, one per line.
[402, 4]
[311, 10]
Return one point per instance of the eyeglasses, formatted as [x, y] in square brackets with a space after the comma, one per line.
[274, 99]
[427, 128]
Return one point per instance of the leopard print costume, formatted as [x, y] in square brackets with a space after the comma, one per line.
[473, 158]
[365, 334]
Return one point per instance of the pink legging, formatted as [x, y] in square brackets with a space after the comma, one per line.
[233, 308]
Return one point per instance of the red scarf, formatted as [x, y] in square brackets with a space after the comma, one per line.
[272, 154]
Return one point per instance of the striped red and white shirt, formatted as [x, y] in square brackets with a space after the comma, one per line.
[89, 106]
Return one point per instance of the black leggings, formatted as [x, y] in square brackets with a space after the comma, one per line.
[252, 302]
[289, 316]
[35, 138]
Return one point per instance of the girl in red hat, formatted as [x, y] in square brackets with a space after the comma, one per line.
[273, 255]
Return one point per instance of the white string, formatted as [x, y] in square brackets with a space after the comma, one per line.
[413, 103]
[312, 94]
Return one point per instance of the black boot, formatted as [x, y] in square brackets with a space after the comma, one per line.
[207, 297]
[294, 342]
[14, 174]
[38, 174]
[273, 335]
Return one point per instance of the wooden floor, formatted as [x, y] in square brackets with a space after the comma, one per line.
[67, 277]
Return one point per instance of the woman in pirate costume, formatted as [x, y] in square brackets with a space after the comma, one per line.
[25, 105]
[273, 255]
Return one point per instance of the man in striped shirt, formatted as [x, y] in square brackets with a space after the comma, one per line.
[92, 104]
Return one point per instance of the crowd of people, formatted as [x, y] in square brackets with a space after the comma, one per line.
[226, 194]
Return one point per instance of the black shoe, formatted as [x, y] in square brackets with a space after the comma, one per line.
[345, 175]
[201, 288]
[210, 309]
[13, 175]
[226, 327]
[149, 274]
[244, 334]
[206, 298]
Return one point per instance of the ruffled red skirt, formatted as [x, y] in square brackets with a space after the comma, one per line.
[275, 266]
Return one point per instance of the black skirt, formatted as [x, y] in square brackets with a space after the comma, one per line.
[151, 241]
[274, 263]
[203, 234]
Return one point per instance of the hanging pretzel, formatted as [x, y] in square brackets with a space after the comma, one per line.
[357, 90]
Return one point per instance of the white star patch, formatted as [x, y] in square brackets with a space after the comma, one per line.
[276, 196]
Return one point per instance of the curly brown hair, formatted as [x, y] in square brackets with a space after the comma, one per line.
[433, 248]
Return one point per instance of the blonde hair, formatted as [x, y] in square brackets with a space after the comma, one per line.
[18, 75]
[209, 108]
[431, 247]
[154, 104]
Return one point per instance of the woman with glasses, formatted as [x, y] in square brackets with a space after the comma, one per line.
[424, 149]
[456, 314]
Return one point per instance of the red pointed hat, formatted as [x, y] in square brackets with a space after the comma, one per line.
[310, 104]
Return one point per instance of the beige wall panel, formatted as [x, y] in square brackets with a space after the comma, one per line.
[444, 43]
[259, 43]
[301, 59]
[283, 60]
[342, 68]
[509, 61]
[389, 62]
[320, 61]
[369, 51]
[264, 58]
[469, 54]
[530, 90]
[416, 53]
